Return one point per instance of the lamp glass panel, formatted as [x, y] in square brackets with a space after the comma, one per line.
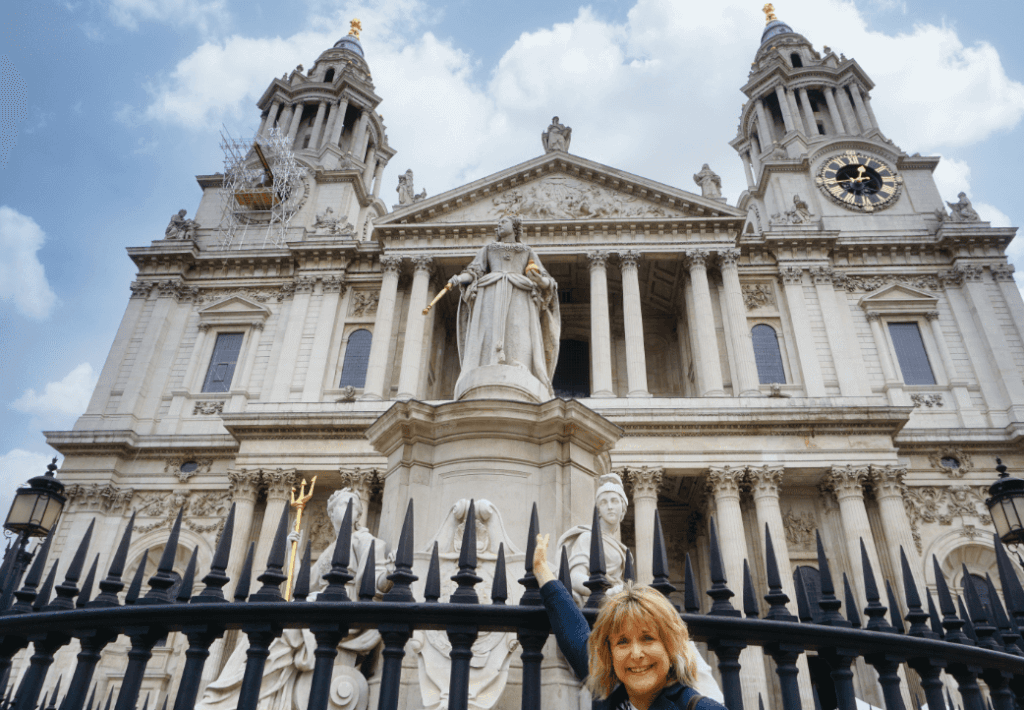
[1015, 514]
[22, 508]
[999, 520]
[51, 513]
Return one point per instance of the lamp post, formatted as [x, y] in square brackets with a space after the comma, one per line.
[1006, 505]
[34, 513]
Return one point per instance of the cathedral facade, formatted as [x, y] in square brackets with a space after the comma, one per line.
[837, 352]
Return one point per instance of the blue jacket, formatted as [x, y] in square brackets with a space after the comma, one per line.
[572, 631]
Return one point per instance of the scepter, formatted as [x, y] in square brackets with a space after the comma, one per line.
[299, 504]
[438, 297]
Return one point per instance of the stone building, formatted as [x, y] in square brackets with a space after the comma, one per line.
[836, 352]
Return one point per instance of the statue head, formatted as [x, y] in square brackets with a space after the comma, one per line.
[962, 196]
[182, 213]
[705, 167]
[611, 499]
[338, 503]
[510, 222]
[554, 121]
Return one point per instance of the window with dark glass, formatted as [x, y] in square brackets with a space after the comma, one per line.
[572, 373]
[767, 355]
[357, 357]
[913, 359]
[222, 364]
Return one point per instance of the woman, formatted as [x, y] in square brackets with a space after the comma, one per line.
[639, 658]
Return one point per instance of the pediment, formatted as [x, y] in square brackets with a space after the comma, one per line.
[558, 187]
[899, 298]
[234, 310]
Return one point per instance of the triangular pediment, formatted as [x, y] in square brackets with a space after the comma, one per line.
[558, 186]
[899, 297]
[235, 305]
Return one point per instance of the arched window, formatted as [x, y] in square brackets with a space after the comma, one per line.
[329, 76]
[357, 357]
[768, 355]
[797, 61]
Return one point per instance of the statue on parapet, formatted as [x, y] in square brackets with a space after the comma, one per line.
[710, 183]
[181, 228]
[557, 137]
[406, 191]
[962, 210]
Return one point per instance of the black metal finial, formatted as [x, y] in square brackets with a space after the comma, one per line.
[92, 697]
[300, 592]
[776, 597]
[245, 575]
[874, 610]
[851, 604]
[499, 588]
[980, 614]
[44, 592]
[135, 588]
[563, 570]
[274, 575]
[368, 582]
[894, 610]
[110, 696]
[217, 577]
[968, 623]
[1008, 635]
[659, 562]
[466, 577]
[112, 585]
[402, 577]
[917, 616]
[950, 621]
[432, 588]
[339, 575]
[161, 582]
[803, 605]
[828, 603]
[188, 579]
[27, 594]
[691, 596]
[719, 591]
[933, 617]
[87, 585]
[531, 595]
[68, 589]
[750, 607]
[597, 583]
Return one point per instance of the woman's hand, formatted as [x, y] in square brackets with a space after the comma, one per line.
[541, 570]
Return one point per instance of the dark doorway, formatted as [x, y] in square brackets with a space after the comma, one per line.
[572, 374]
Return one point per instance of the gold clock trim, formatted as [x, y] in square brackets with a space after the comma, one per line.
[888, 193]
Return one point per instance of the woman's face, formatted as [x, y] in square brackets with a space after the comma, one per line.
[506, 229]
[610, 508]
[337, 511]
[640, 660]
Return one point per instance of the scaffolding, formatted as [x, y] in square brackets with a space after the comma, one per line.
[261, 182]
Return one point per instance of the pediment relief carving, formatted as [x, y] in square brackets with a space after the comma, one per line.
[899, 298]
[233, 310]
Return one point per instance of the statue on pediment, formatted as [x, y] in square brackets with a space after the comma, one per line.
[557, 137]
[406, 190]
[962, 210]
[509, 320]
[710, 183]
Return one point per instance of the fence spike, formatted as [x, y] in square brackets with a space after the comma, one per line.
[92, 697]
[968, 623]
[1012, 589]
[43, 599]
[368, 582]
[245, 576]
[915, 614]
[950, 622]
[110, 697]
[531, 595]
[466, 577]
[776, 598]
[27, 594]
[300, 591]
[980, 615]
[760, 702]
[339, 575]
[828, 603]
[852, 616]
[659, 562]
[188, 580]
[628, 574]
[563, 571]
[216, 578]
[874, 610]
[1006, 633]
[67, 590]
[135, 588]
[719, 591]
[894, 610]
[432, 588]
[52, 705]
[402, 577]
[87, 585]
[161, 582]
[933, 615]
[750, 607]
[145, 703]
[112, 585]
[691, 597]
[803, 604]
[597, 583]
[499, 588]
[274, 574]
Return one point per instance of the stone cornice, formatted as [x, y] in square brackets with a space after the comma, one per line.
[124, 442]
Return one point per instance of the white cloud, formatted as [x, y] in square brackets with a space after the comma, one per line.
[953, 177]
[198, 13]
[16, 467]
[22, 276]
[67, 397]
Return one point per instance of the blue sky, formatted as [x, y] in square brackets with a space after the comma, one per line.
[111, 107]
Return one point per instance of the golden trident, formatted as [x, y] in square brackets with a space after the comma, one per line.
[299, 504]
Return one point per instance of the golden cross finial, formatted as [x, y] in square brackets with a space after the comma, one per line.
[769, 13]
[357, 27]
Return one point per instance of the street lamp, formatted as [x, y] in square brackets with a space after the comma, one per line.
[1007, 506]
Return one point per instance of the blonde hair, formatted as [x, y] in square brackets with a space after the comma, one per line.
[639, 605]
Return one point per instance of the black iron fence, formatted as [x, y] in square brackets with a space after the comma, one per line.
[975, 638]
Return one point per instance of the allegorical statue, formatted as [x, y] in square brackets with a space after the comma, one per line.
[509, 320]
[406, 191]
[289, 668]
[963, 210]
[181, 228]
[557, 137]
[709, 181]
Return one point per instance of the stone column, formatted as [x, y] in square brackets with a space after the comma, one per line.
[887, 482]
[333, 288]
[706, 337]
[747, 169]
[194, 362]
[636, 357]
[969, 416]
[746, 382]
[112, 366]
[812, 124]
[600, 327]
[412, 353]
[279, 488]
[765, 125]
[849, 118]
[787, 117]
[318, 123]
[244, 485]
[845, 355]
[369, 168]
[794, 110]
[833, 109]
[644, 484]
[359, 135]
[271, 116]
[362, 481]
[293, 127]
[846, 483]
[755, 157]
[339, 124]
[724, 484]
[285, 123]
[378, 174]
[380, 345]
[862, 111]
[793, 286]
[285, 370]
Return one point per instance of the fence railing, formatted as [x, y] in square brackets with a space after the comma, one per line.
[971, 639]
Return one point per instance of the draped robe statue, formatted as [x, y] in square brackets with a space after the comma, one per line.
[289, 668]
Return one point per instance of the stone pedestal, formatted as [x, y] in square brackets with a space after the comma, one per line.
[501, 382]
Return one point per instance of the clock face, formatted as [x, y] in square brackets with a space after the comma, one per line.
[859, 182]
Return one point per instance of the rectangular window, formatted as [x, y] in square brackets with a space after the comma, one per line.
[222, 364]
[906, 338]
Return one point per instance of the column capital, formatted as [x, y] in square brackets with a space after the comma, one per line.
[695, 258]
[205, 327]
[244, 484]
[362, 480]
[765, 480]
[422, 262]
[304, 284]
[728, 257]
[845, 481]
[1002, 272]
[644, 481]
[967, 272]
[790, 275]
[874, 316]
[724, 481]
[333, 284]
[932, 315]
[391, 263]
[598, 259]
[279, 482]
[141, 289]
[822, 274]
[888, 481]
[629, 259]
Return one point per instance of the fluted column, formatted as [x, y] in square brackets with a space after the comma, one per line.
[724, 484]
[846, 483]
[271, 116]
[600, 327]
[888, 484]
[293, 127]
[380, 345]
[412, 353]
[787, 114]
[362, 481]
[636, 356]
[833, 110]
[849, 117]
[862, 112]
[745, 380]
[767, 136]
[279, 487]
[339, 123]
[707, 339]
[793, 286]
[644, 484]
[318, 123]
[244, 485]
[812, 124]
[359, 136]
